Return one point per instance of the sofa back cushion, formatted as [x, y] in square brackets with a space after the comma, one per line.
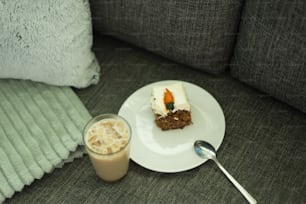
[47, 41]
[270, 53]
[197, 33]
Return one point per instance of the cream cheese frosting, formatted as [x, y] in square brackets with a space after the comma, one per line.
[180, 99]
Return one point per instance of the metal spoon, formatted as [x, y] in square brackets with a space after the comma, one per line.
[207, 151]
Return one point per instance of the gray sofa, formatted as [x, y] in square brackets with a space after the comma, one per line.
[250, 57]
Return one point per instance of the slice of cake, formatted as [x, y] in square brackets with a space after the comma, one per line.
[170, 106]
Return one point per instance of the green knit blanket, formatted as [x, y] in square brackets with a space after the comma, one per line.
[40, 128]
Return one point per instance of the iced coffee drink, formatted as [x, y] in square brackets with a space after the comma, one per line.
[107, 139]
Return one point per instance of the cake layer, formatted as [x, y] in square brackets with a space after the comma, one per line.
[176, 120]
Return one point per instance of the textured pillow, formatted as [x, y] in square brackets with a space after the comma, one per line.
[271, 49]
[197, 33]
[47, 41]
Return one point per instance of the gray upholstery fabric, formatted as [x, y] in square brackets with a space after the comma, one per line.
[198, 33]
[270, 52]
[263, 147]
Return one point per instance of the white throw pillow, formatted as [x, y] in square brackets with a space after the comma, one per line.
[47, 41]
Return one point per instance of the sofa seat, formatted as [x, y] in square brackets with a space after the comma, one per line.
[263, 147]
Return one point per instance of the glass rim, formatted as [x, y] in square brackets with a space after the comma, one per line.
[96, 119]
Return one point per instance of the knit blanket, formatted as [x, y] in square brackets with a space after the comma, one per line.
[40, 129]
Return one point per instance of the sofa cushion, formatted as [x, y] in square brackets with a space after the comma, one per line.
[47, 41]
[197, 33]
[271, 50]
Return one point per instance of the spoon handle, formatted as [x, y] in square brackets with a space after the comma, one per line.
[236, 184]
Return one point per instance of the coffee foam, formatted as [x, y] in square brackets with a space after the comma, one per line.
[107, 136]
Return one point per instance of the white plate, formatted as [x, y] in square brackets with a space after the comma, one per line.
[172, 151]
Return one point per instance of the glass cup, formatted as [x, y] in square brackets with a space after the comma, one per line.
[107, 139]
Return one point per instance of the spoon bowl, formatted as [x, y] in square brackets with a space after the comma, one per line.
[204, 149]
[207, 151]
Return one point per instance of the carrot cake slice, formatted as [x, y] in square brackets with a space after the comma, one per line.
[170, 106]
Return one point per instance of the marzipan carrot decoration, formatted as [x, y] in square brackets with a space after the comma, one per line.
[168, 100]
